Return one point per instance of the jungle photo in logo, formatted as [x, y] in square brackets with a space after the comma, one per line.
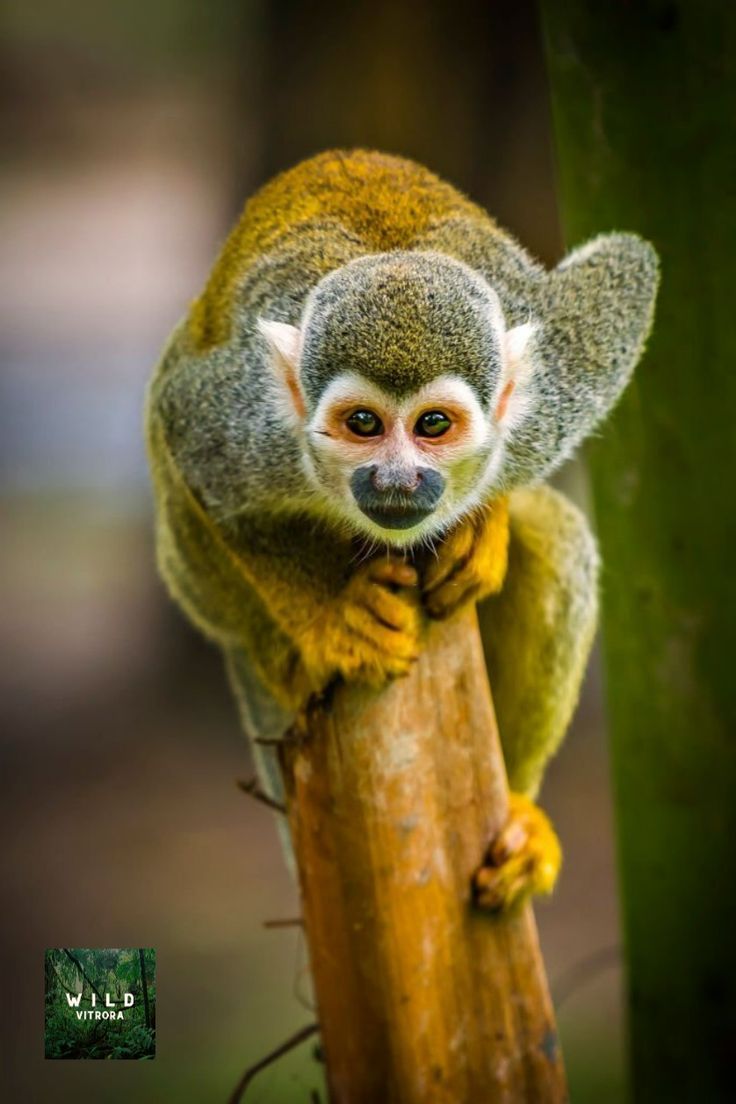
[100, 1003]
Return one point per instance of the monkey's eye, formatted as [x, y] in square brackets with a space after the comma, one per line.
[364, 423]
[432, 424]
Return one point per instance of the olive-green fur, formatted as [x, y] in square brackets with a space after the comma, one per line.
[538, 630]
[402, 318]
[244, 544]
[362, 201]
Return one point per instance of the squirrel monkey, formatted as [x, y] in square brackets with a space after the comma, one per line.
[347, 435]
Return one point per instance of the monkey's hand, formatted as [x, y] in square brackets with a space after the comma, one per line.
[370, 631]
[524, 858]
[470, 562]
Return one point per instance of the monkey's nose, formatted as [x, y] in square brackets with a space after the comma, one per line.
[408, 481]
[396, 501]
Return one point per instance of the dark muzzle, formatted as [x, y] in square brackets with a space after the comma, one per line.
[396, 501]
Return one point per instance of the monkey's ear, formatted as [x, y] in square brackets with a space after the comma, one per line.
[511, 399]
[284, 343]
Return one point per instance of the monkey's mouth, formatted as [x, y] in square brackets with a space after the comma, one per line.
[395, 515]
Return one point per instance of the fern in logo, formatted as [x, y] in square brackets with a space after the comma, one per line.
[100, 1003]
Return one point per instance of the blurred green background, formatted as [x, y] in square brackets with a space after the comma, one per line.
[131, 134]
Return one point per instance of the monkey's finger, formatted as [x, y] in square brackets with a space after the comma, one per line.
[379, 671]
[495, 891]
[393, 611]
[393, 571]
[509, 841]
[448, 599]
[382, 640]
[453, 555]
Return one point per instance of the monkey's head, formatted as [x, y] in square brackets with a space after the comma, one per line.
[405, 383]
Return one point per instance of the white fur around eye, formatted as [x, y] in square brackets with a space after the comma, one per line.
[444, 393]
[350, 389]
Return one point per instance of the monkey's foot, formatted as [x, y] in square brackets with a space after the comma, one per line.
[523, 859]
[470, 563]
[371, 632]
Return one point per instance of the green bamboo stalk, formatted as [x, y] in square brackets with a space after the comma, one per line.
[644, 107]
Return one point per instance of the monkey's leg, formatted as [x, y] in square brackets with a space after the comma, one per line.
[537, 633]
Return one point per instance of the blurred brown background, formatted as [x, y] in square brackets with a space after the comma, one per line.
[131, 135]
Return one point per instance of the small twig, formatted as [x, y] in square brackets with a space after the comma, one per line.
[583, 971]
[251, 787]
[291, 922]
[292, 1042]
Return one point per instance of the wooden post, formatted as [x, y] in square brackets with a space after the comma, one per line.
[393, 797]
